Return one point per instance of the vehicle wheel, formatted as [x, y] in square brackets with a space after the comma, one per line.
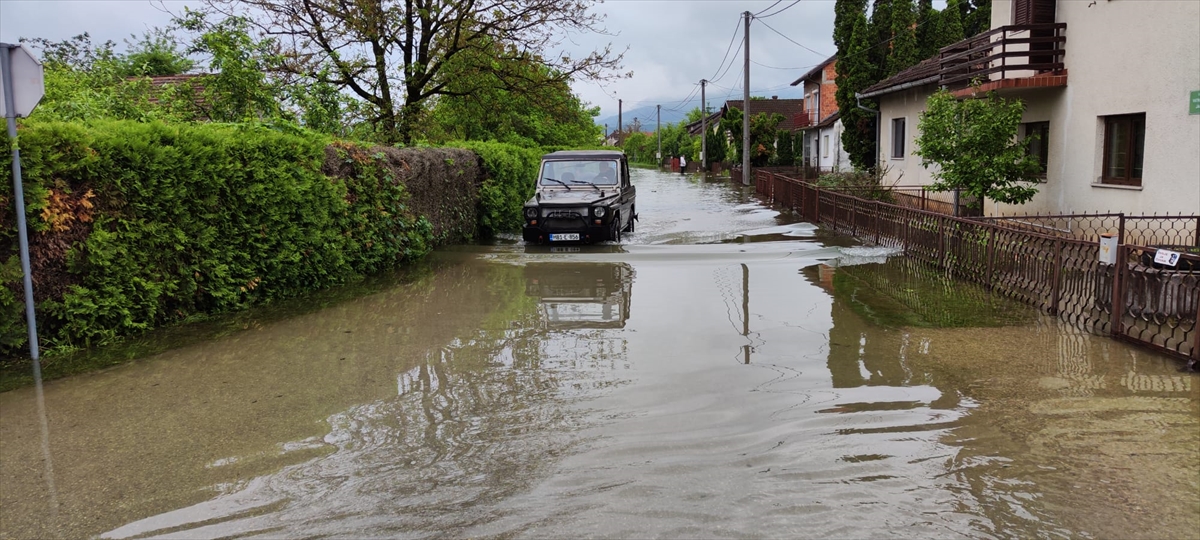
[614, 232]
[632, 217]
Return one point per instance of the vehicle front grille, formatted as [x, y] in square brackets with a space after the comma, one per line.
[564, 212]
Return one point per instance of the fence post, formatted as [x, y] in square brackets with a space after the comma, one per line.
[1198, 245]
[835, 210]
[1195, 363]
[878, 228]
[991, 255]
[1118, 297]
[1056, 288]
[1121, 229]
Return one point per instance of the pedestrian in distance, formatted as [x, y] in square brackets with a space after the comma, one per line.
[682, 164]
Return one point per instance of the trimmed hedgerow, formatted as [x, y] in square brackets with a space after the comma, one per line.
[135, 225]
[510, 177]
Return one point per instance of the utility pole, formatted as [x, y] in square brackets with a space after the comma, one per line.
[703, 128]
[620, 125]
[658, 132]
[746, 105]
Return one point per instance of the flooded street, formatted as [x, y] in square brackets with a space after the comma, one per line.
[725, 372]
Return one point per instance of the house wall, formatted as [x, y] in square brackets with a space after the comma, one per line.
[907, 104]
[1122, 57]
[836, 159]
[828, 90]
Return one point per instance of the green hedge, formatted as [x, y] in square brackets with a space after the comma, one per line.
[509, 182]
[135, 225]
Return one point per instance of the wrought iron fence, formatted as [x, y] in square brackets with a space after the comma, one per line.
[1050, 262]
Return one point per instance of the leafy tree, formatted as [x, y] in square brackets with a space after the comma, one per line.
[391, 53]
[763, 129]
[855, 73]
[155, 54]
[541, 111]
[75, 53]
[731, 124]
[239, 88]
[974, 144]
[926, 29]
[949, 28]
[717, 145]
[785, 152]
[845, 12]
[880, 27]
[904, 53]
[979, 19]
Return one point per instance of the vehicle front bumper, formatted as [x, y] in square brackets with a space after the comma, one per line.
[539, 231]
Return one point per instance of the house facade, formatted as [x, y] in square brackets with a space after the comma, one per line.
[1107, 88]
[822, 141]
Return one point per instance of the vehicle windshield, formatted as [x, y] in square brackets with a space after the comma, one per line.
[598, 172]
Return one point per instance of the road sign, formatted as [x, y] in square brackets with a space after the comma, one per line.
[28, 83]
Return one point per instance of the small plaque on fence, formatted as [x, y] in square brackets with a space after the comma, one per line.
[1108, 249]
[1166, 257]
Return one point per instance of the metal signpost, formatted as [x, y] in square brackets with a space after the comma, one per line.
[20, 92]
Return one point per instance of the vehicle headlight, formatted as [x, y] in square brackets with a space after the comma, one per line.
[530, 212]
[599, 211]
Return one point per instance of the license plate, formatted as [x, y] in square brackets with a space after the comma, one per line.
[564, 250]
[564, 237]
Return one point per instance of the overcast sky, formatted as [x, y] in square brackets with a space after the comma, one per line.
[672, 44]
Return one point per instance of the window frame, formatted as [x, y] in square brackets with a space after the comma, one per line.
[1043, 130]
[1135, 147]
[825, 142]
[898, 143]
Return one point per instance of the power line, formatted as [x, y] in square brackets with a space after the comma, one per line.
[805, 47]
[730, 66]
[769, 7]
[731, 40]
[777, 12]
[685, 100]
[774, 67]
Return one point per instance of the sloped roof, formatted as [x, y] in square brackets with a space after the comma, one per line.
[923, 73]
[789, 108]
[814, 71]
[829, 120]
[694, 127]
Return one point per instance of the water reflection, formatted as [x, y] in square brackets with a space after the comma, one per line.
[476, 420]
[581, 295]
[1045, 424]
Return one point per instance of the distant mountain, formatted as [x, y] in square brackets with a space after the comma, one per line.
[645, 116]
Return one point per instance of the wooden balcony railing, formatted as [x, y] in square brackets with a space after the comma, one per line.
[1027, 48]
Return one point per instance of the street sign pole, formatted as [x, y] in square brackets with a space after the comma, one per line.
[10, 116]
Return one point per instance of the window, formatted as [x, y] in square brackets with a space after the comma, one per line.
[826, 146]
[1124, 141]
[1037, 143]
[897, 138]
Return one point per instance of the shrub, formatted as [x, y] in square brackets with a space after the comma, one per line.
[134, 225]
[509, 182]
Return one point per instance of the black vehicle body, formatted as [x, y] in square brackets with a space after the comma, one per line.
[583, 196]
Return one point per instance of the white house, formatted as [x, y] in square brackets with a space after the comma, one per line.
[1112, 87]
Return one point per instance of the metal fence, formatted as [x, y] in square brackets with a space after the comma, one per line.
[1050, 262]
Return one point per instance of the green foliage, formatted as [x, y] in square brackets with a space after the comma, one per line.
[926, 29]
[949, 25]
[856, 73]
[511, 173]
[974, 144]
[13, 334]
[641, 148]
[763, 129]
[979, 17]
[785, 152]
[845, 13]
[193, 219]
[718, 146]
[880, 38]
[155, 54]
[904, 53]
[239, 88]
[539, 110]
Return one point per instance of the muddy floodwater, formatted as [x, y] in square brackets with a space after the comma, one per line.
[725, 372]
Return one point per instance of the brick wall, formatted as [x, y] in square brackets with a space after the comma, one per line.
[829, 90]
